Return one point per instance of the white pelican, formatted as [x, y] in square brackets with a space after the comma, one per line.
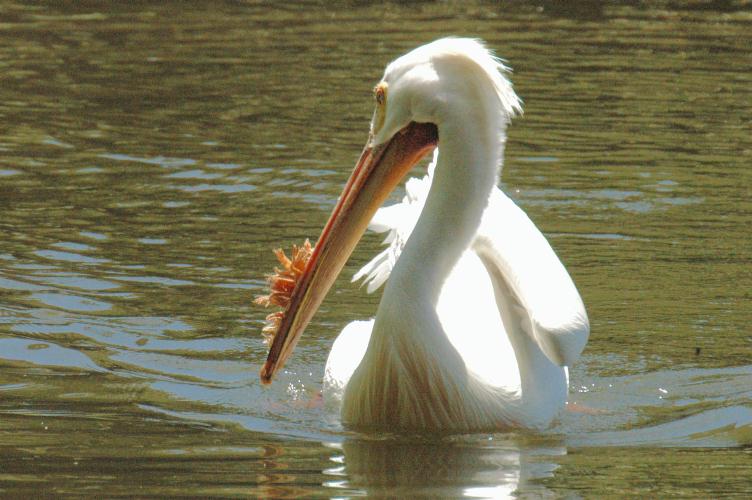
[479, 319]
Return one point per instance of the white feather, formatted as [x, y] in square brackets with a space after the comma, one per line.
[478, 318]
[397, 221]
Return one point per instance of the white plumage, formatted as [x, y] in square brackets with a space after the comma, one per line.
[548, 305]
[479, 319]
[397, 221]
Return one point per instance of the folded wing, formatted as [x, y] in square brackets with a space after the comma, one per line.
[551, 308]
[556, 317]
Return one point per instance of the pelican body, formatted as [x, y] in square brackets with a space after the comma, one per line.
[479, 319]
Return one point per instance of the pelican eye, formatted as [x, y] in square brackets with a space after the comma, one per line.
[379, 93]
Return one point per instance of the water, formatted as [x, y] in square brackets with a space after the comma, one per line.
[151, 156]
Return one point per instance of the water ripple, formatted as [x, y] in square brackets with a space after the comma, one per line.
[69, 257]
[71, 302]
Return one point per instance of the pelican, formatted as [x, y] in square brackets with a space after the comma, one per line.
[479, 320]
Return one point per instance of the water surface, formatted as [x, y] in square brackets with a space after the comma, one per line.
[152, 155]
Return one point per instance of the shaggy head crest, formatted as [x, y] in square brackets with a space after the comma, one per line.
[474, 57]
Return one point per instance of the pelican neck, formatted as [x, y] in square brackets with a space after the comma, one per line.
[465, 174]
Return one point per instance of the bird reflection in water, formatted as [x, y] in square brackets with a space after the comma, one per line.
[464, 467]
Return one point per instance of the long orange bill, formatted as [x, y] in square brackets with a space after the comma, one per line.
[378, 171]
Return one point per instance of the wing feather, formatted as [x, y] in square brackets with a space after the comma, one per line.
[549, 304]
[535, 275]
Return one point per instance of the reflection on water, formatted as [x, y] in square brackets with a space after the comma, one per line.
[151, 157]
[490, 469]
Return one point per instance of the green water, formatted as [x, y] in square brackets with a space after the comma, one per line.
[151, 156]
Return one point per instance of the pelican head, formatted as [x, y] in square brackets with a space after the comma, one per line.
[413, 101]
[430, 82]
